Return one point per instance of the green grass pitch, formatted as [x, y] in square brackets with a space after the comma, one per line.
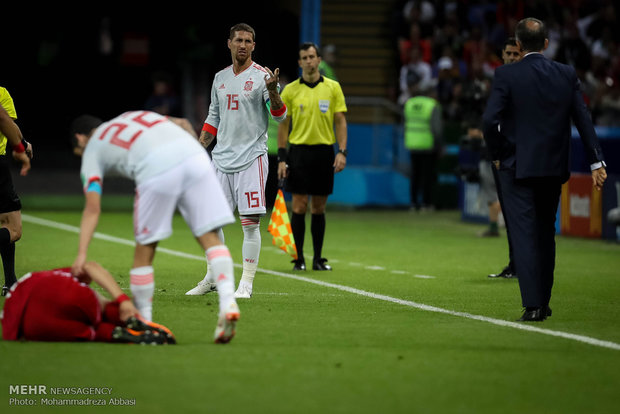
[358, 339]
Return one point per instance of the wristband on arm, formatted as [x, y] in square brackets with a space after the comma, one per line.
[21, 147]
[121, 298]
[282, 154]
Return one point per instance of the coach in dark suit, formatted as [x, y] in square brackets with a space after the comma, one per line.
[527, 127]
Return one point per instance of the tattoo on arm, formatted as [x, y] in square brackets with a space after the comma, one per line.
[275, 100]
[206, 138]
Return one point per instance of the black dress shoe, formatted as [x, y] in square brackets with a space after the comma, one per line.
[300, 264]
[320, 264]
[534, 315]
[506, 273]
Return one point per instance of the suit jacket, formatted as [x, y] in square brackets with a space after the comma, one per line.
[527, 120]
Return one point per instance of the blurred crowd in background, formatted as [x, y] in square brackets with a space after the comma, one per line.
[453, 47]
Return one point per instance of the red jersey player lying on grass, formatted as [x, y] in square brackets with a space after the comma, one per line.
[54, 305]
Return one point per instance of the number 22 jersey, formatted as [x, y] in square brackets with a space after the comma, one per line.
[137, 145]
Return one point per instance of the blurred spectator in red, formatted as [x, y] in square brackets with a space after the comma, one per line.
[490, 60]
[474, 45]
[415, 40]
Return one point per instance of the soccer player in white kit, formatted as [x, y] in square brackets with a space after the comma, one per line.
[243, 96]
[170, 170]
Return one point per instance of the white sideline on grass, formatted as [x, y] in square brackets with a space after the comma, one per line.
[522, 326]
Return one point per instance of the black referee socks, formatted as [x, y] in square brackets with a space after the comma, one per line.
[298, 226]
[317, 227]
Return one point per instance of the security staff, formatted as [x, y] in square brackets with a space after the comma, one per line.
[423, 138]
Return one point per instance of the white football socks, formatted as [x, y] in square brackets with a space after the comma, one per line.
[142, 286]
[250, 249]
[221, 267]
[208, 276]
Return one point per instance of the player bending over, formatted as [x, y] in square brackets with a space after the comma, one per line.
[171, 170]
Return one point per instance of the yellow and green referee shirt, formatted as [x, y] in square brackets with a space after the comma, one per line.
[7, 103]
[312, 110]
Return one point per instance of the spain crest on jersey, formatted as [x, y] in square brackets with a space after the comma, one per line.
[248, 86]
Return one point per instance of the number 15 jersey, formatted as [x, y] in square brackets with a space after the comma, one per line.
[239, 116]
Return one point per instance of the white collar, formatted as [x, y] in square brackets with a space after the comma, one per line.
[531, 53]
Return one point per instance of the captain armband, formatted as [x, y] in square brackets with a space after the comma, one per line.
[278, 112]
[94, 186]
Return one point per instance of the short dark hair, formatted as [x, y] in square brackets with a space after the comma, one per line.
[511, 41]
[83, 124]
[532, 39]
[308, 45]
[241, 27]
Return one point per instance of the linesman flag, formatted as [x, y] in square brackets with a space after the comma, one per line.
[280, 227]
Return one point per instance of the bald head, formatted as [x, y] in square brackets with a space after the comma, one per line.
[531, 33]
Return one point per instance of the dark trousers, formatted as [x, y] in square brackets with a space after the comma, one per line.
[530, 208]
[423, 178]
[498, 187]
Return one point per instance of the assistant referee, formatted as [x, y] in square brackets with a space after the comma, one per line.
[13, 142]
[316, 107]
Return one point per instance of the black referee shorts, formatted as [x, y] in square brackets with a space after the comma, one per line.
[9, 201]
[310, 169]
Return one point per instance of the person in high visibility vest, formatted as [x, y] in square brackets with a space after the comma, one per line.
[423, 133]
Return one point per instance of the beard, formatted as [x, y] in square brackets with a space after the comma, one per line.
[242, 59]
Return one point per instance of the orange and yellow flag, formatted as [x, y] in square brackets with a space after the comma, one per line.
[280, 227]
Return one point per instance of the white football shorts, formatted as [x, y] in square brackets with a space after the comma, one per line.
[245, 190]
[193, 188]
